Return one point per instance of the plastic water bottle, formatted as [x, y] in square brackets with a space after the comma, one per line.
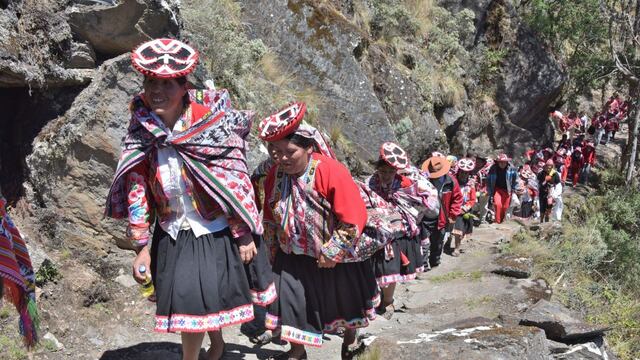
[147, 289]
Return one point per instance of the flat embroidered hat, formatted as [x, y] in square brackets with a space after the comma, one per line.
[394, 155]
[284, 122]
[164, 58]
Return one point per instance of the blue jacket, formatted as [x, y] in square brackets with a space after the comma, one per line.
[512, 177]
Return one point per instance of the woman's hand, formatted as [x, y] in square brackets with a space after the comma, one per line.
[325, 262]
[247, 248]
[143, 258]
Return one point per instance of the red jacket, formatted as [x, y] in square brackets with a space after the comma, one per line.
[450, 199]
[589, 154]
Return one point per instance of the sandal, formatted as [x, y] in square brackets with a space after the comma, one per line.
[386, 310]
[262, 339]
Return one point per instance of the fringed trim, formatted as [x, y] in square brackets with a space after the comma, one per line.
[29, 322]
[204, 323]
[266, 297]
[302, 337]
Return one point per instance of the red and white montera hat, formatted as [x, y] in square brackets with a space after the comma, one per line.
[164, 58]
[394, 155]
[284, 122]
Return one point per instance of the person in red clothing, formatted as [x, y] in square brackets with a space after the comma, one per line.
[600, 122]
[610, 129]
[577, 162]
[589, 153]
[463, 226]
[450, 204]
[400, 260]
[501, 183]
[314, 216]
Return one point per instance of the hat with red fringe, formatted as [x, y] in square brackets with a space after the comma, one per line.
[164, 58]
[284, 122]
[394, 155]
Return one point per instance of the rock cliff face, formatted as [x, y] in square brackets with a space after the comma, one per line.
[66, 81]
[62, 71]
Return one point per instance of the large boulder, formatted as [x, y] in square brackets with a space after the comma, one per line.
[559, 323]
[317, 45]
[116, 29]
[74, 158]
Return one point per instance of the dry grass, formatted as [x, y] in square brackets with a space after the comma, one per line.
[422, 11]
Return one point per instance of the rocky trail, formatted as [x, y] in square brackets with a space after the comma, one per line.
[470, 307]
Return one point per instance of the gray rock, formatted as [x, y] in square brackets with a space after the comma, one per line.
[115, 30]
[557, 347]
[587, 351]
[559, 323]
[514, 266]
[481, 343]
[318, 48]
[82, 56]
[126, 280]
[51, 338]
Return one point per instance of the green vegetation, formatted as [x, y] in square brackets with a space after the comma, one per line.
[577, 31]
[593, 259]
[5, 312]
[47, 272]
[479, 301]
[12, 348]
[455, 275]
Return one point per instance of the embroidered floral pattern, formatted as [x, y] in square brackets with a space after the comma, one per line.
[211, 322]
[298, 336]
[265, 297]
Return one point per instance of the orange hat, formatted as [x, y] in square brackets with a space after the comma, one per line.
[436, 166]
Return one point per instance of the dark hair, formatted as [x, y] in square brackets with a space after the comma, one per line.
[299, 140]
[381, 163]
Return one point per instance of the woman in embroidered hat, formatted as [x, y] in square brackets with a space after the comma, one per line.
[501, 181]
[314, 216]
[183, 172]
[463, 226]
[400, 260]
[450, 197]
[550, 193]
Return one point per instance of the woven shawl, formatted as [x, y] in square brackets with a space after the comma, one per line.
[213, 151]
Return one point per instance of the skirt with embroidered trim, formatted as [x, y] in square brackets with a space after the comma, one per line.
[387, 265]
[312, 301]
[201, 283]
[410, 247]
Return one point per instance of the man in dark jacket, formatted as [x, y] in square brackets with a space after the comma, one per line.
[450, 206]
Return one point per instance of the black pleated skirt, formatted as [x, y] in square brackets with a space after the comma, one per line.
[312, 301]
[463, 226]
[389, 270]
[201, 283]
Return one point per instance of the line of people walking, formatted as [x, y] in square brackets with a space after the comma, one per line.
[297, 240]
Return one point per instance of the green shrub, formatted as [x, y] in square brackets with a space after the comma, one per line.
[46, 273]
[595, 258]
